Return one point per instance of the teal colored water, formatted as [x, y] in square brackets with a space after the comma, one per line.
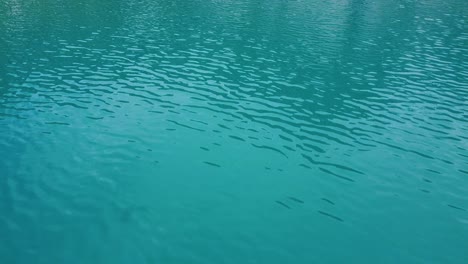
[250, 131]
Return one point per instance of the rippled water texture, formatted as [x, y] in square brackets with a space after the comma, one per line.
[222, 131]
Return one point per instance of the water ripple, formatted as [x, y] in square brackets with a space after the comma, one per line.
[156, 130]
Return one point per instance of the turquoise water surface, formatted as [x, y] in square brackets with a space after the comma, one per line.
[222, 131]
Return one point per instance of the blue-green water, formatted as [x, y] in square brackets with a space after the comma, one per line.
[222, 131]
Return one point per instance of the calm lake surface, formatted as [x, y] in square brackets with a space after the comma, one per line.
[222, 131]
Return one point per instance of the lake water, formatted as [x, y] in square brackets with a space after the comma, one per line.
[222, 131]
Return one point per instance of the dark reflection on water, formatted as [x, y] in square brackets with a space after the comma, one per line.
[175, 131]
